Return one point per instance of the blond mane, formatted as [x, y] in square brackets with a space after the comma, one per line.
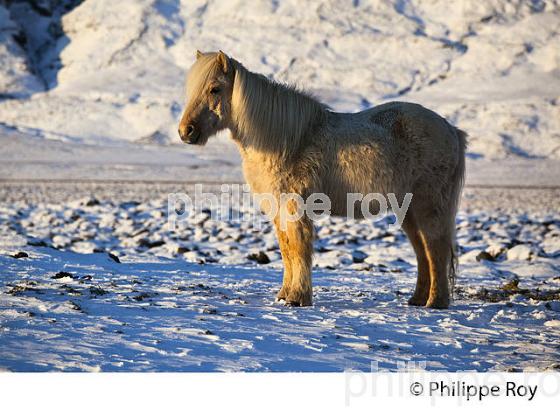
[270, 116]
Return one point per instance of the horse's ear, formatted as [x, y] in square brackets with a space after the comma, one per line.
[199, 54]
[224, 61]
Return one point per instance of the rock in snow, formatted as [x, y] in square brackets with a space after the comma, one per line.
[520, 253]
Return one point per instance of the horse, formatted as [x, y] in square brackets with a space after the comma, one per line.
[292, 143]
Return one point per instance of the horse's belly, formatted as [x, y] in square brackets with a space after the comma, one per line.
[356, 204]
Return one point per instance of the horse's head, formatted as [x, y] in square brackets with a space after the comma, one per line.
[209, 90]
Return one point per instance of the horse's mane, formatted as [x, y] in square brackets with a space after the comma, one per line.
[270, 116]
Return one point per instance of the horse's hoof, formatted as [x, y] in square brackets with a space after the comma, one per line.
[299, 299]
[282, 294]
[417, 301]
[438, 303]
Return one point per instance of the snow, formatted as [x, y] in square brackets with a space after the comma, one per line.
[164, 315]
[114, 75]
[93, 91]
[15, 79]
[104, 285]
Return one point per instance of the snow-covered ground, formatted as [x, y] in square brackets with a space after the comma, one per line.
[93, 91]
[99, 284]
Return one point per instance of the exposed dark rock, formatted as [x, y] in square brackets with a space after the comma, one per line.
[261, 258]
[485, 256]
[35, 242]
[97, 291]
[114, 257]
[142, 296]
[150, 244]
[358, 256]
[20, 255]
[62, 274]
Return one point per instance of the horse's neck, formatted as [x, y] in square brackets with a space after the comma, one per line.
[249, 152]
[276, 133]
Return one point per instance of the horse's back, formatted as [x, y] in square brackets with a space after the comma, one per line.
[405, 118]
[416, 131]
[427, 152]
[394, 147]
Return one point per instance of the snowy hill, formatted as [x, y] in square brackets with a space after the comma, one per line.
[102, 72]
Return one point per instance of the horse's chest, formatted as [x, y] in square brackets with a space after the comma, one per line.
[260, 173]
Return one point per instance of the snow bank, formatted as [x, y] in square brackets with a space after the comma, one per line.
[492, 68]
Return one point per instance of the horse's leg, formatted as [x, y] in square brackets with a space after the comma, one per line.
[422, 290]
[300, 243]
[286, 260]
[438, 251]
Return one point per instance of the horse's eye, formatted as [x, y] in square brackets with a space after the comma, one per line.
[215, 90]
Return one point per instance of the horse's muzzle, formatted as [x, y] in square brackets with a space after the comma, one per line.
[189, 134]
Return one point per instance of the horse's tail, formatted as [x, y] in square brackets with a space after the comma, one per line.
[457, 182]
